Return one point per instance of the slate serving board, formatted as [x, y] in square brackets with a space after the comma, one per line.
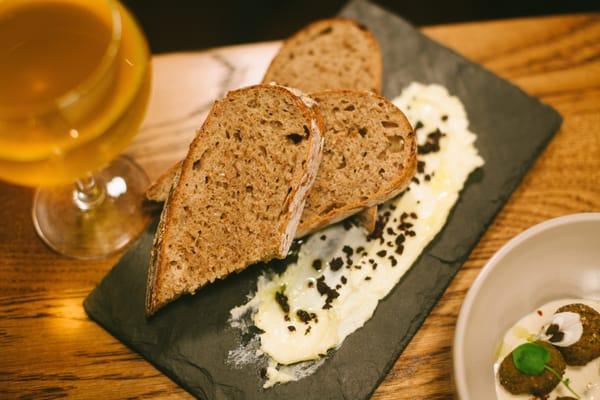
[189, 339]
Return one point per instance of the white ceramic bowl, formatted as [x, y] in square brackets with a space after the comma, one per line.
[556, 259]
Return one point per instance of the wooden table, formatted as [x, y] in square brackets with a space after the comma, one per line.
[49, 349]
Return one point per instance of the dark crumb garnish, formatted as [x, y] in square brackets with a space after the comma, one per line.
[540, 313]
[427, 177]
[317, 264]
[367, 278]
[399, 249]
[420, 166]
[400, 239]
[390, 231]
[311, 284]
[325, 290]
[390, 244]
[282, 300]
[378, 231]
[348, 250]
[387, 214]
[343, 279]
[393, 260]
[432, 145]
[323, 237]
[411, 233]
[307, 331]
[413, 215]
[392, 207]
[291, 328]
[418, 125]
[304, 316]
[357, 267]
[360, 249]
[286, 317]
[336, 263]
[371, 261]
[381, 253]
[348, 224]
[444, 117]
[374, 267]
[338, 286]
[415, 180]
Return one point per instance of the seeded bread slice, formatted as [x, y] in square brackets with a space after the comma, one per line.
[239, 194]
[334, 53]
[370, 156]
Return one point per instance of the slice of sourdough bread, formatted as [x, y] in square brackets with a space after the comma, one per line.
[370, 156]
[240, 191]
[333, 53]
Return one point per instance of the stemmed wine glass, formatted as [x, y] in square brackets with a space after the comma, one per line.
[74, 85]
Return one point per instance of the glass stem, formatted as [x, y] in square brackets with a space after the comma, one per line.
[88, 194]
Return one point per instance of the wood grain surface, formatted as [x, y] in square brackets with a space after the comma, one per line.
[49, 349]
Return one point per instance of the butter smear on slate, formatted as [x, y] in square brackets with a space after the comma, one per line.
[341, 274]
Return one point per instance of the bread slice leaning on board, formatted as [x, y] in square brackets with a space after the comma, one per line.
[239, 194]
[370, 156]
[333, 53]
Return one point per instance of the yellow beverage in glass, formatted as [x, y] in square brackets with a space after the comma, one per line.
[74, 85]
[71, 95]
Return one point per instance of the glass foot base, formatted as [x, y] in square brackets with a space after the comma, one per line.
[96, 229]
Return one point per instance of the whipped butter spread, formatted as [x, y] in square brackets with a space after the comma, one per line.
[339, 274]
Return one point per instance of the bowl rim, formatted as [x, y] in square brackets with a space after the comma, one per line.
[458, 360]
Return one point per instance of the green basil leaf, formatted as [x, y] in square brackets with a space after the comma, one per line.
[530, 358]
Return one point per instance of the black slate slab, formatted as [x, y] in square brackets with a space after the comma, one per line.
[189, 339]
